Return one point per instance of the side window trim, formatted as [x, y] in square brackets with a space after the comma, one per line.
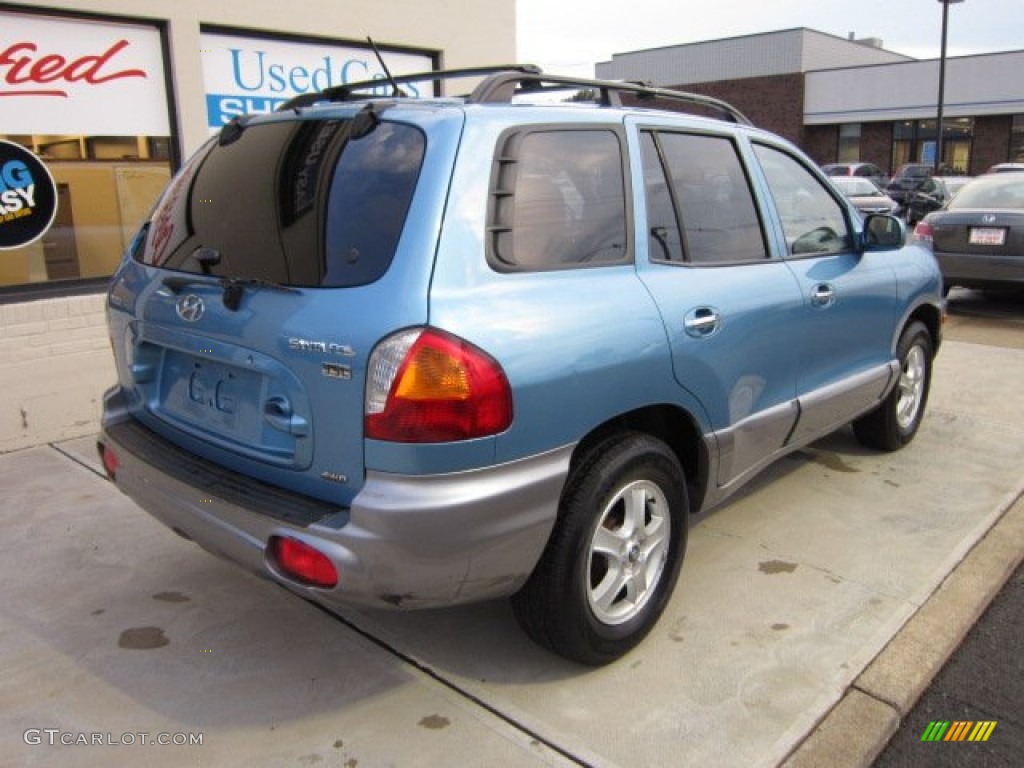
[502, 190]
[680, 232]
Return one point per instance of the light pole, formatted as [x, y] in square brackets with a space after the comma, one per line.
[942, 82]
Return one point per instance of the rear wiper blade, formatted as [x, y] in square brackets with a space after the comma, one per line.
[234, 287]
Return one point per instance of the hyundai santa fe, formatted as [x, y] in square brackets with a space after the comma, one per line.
[414, 352]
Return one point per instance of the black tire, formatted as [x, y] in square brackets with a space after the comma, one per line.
[895, 422]
[564, 605]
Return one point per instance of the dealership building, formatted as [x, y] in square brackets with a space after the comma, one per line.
[110, 96]
[847, 100]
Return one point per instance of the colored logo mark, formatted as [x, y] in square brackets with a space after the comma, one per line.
[958, 730]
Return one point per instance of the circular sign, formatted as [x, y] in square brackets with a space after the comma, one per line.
[28, 196]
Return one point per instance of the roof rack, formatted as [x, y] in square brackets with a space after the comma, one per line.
[501, 87]
[370, 89]
[503, 83]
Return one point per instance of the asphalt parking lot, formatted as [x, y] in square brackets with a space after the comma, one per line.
[116, 635]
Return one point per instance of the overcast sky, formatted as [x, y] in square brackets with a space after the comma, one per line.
[570, 36]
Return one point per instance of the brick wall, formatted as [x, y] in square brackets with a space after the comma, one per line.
[55, 363]
[775, 103]
[821, 143]
[876, 145]
[991, 142]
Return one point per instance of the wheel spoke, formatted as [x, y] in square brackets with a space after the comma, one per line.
[604, 594]
[657, 539]
[636, 511]
[608, 543]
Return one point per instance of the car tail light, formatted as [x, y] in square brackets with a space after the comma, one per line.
[109, 459]
[302, 562]
[923, 231]
[426, 386]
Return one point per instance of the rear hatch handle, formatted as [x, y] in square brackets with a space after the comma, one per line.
[278, 413]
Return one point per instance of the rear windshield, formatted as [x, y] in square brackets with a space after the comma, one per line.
[994, 192]
[301, 203]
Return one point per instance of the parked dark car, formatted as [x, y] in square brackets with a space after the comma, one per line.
[978, 239]
[865, 195]
[860, 170]
[932, 195]
[907, 179]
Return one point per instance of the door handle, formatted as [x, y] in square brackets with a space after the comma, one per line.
[823, 295]
[702, 322]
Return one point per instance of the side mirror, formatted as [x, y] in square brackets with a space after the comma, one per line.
[883, 233]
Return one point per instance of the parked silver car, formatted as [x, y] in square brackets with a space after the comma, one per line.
[865, 195]
[868, 171]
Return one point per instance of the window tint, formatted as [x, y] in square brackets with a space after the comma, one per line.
[663, 239]
[558, 200]
[709, 190]
[370, 195]
[812, 219]
[294, 202]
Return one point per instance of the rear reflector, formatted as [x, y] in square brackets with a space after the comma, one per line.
[110, 461]
[302, 562]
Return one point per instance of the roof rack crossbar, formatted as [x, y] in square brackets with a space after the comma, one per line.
[503, 86]
[357, 90]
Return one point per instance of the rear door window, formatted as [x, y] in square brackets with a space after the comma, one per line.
[699, 205]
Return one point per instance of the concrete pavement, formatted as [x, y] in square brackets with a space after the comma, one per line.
[790, 601]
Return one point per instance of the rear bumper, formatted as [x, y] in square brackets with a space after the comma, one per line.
[405, 541]
[980, 270]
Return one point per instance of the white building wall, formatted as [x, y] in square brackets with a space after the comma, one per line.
[975, 85]
[822, 51]
[771, 53]
[55, 363]
[55, 360]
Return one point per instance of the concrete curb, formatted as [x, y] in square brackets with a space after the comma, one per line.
[856, 730]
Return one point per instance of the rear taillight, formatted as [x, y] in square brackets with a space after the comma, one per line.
[302, 562]
[924, 232]
[427, 386]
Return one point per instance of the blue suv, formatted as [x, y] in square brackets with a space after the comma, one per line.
[414, 352]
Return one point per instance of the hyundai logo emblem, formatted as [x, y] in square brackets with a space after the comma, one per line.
[190, 308]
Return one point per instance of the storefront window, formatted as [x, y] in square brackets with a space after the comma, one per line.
[902, 143]
[89, 102]
[1017, 139]
[956, 151]
[915, 141]
[849, 143]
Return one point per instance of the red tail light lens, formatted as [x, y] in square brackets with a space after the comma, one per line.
[302, 562]
[426, 386]
[923, 231]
